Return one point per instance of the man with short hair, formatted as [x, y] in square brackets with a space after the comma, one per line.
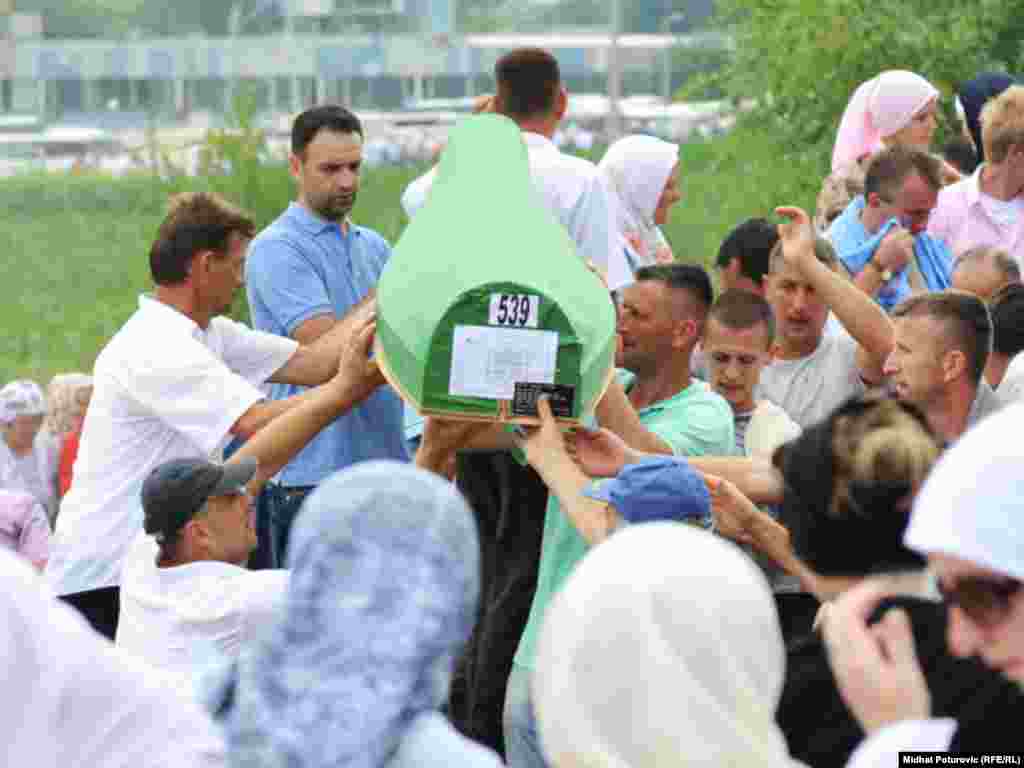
[983, 271]
[987, 208]
[655, 407]
[742, 260]
[185, 590]
[737, 343]
[881, 239]
[174, 382]
[531, 93]
[941, 346]
[305, 274]
[813, 372]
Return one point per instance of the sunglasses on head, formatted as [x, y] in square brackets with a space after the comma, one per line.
[985, 601]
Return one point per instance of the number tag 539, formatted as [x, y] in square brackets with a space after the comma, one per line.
[514, 310]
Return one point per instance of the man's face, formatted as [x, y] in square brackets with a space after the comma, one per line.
[735, 358]
[731, 278]
[646, 327]
[800, 313]
[226, 274]
[915, 363]
[328, 173]
[978, 276]
[912, 203]
[999, 643]
[230, 528]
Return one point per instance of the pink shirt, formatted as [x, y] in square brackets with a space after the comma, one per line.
[962, 220]
[23, 526]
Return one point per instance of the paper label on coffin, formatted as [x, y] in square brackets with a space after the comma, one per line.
[485, 289]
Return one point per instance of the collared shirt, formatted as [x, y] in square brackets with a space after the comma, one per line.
[179, 618]
[573, 191]
[965, 218]
[694, 422]
[301, 267]
[163, 388]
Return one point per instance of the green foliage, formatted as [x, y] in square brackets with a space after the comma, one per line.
[802, 59]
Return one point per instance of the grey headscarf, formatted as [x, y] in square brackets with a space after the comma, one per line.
[383, 594]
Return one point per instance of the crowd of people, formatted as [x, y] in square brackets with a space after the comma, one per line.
[790, 532]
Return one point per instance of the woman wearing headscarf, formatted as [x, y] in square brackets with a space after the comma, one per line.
[68, 398]
[894, 108]
[967, 520]
[71, 699]
[384, 583]
[662, 648]
[28, 454]
[849, 485]
[642, 174]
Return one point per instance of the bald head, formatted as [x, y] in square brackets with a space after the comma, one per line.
[984, 271]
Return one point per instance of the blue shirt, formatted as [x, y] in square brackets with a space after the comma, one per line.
[298, 268]
[856, 247]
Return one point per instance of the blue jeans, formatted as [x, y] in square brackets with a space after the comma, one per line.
[286, 504]
[522, 744]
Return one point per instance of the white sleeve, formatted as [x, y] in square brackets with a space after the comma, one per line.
[253, 355]
[191, 391]
[882, 749]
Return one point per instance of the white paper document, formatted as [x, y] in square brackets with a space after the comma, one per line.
[487, 362]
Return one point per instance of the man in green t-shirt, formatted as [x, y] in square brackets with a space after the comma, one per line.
[655, 407]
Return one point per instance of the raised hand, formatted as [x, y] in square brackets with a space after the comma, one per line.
[600, 452]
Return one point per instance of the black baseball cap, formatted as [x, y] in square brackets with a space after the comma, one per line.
[176, 490]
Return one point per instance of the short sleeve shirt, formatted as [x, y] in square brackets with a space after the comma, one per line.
[810, 388]
[694, 422]
[163, 389]
[301, 267]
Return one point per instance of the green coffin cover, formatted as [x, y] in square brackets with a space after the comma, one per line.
[486, 274]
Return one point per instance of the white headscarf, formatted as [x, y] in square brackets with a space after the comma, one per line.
[635, 169]
[22, 397]
[72, 699]
[663, 648]
[972, 504]
[880, 107]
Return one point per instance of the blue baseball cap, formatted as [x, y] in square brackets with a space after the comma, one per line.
[656, 488]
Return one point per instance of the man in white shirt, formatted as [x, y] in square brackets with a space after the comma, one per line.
[813, 372]
[530, 92]
[174, 382]
[185, 590]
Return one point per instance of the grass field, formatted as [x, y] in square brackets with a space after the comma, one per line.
[75, 249]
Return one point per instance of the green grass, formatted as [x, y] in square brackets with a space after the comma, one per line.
[74, 250]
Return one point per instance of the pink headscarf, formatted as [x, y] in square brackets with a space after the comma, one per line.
[879, 108]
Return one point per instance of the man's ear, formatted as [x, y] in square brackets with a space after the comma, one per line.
[295, 165]
[561, 103]
[954, 365]
[684, 333]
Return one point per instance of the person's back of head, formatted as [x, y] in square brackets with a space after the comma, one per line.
[1002, 124]
[748, 246]
[959, 153]
[891, 167]
[849, 483]
[529, 85]
[196, 222]
[962, 330]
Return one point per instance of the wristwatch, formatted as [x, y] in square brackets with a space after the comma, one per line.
[884, 271]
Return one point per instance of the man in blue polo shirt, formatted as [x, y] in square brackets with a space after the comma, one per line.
[304, 274]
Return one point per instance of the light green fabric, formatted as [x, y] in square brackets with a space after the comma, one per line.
[695, 422]
[484, 231]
